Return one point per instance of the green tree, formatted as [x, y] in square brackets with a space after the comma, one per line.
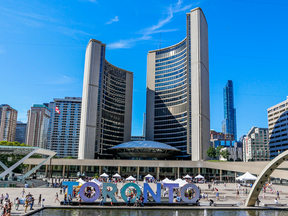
[218, 150]
[211, 152]
[225, 154]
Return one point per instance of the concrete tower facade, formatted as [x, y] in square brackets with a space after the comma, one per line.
[178, 104]
[106, 112]
[8, 122]
[37, 126]
[64, 127]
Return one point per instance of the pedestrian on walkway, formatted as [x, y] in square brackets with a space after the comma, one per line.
[17, 202]
[31, 202]
[1, 199]
[26, 203]
[23, 193]
[128, 201]
[278, 195]
[39, 200]
[101, 201]
[79, 201]
[56, 198]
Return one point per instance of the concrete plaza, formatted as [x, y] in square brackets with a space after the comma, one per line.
[227, 196]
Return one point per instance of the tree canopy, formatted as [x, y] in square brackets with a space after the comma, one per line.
[211, 152]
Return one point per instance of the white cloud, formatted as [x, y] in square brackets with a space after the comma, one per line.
[169, 12]
[115, 19]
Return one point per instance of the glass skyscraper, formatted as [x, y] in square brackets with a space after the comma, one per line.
[177, 108]
[229, 122]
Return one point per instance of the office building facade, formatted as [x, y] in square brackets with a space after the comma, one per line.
[278, 128]
[8, 122]
[21, 132]
[178, 106]
[256, 145]
[37, 126]
[64, 126]
[106, 113]
[229, 122]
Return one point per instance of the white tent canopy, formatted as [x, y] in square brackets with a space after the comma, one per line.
[116, 176]
[148, 176]
[178, 180]
[199, 177]
[187, 177]
[97, 182]
[166, 180]
[130, 178]
[246, 176]
[81, 181]
[104, 175]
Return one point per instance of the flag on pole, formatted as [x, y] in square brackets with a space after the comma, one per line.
[57, 110]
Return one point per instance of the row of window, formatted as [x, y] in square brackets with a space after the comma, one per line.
[171, 104]
[171, 86]
[170, 65]
[171, 57]
[172, 61]
[170, 70]
[171, 78]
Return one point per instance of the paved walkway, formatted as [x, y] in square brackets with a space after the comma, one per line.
[227, 195]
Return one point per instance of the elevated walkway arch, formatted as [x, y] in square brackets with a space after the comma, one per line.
[263, 177]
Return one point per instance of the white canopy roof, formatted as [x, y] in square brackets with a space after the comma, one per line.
[178, 180]
[148, 176]
[130, 178]
[166, 180]
[81, 181]
[187, 177]
[246, 176]
[199, 177]
[116, 176]
[104, 175]
[97, 182]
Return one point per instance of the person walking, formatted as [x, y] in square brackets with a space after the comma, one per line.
[31, 202]
[17, 202]
[56, 198]
[23, 193]
[111, 202]
[128, 201]
[39, 200]
[276, 201]
[79, 201]
[26, 203]
[278, 195]
[1, 199]
[101, 201]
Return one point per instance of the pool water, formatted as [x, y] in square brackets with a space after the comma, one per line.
[143, 212]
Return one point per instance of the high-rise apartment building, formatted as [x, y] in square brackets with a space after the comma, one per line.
[106, 113]
[178, 106]
[256, 145]
[229, 122]
[21, 132]
[278, 128]
[64, 126]
[8, 121]
[37, 125]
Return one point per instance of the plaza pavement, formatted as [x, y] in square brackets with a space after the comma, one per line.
[227, 196]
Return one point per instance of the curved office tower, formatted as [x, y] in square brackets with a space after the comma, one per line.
[106, 112]
[178, 109]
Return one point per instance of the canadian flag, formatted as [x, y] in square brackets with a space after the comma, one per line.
[57, 110]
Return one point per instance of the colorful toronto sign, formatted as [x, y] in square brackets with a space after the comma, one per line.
[156, 196]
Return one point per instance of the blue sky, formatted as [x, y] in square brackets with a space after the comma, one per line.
[42, 50]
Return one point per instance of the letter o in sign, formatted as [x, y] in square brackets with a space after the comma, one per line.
[82, 194]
